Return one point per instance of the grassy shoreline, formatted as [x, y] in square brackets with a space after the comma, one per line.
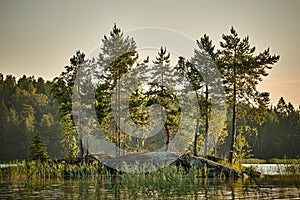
[271, 161]
[29, 170]
[165, 181]
[49, 170]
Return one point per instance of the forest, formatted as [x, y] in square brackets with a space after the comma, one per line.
[33, 107]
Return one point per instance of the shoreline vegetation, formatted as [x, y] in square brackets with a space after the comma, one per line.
[185, 166]
[60, 169]
[166, 182]
[172, 180]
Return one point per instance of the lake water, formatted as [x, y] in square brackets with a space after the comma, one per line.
[266, 188]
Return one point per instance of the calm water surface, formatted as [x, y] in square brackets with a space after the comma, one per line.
[267, 188]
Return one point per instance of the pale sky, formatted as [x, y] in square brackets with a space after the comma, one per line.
[39, 37]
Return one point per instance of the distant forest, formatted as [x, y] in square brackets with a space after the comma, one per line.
[29, 105]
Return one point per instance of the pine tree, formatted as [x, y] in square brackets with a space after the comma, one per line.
[203, 76]
[117, 56]
[161, 72]
[242, 71]
[189, 71]
[24, 104]
[162, 81]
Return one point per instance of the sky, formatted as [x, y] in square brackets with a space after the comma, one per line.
[38, 37]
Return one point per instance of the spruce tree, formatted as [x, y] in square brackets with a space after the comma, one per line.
[62, 90]
[38, 150]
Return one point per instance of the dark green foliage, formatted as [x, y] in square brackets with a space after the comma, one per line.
[38, 149]
[26, 107]
[162, 72]
[162, 75]
[62, 90]
[280, 135]
[159, 94]
[117, 56]
[63, 85]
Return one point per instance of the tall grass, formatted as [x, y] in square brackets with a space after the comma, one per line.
[166, 182]
[36, 170]
[169, 181]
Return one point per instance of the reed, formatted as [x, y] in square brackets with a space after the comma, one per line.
[166, 182]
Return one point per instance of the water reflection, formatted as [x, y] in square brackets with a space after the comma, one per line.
[114, 188]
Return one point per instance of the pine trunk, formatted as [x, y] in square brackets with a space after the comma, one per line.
[233, 130]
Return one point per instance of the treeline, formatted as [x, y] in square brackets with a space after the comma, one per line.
[276, 137]
[279, 136]
[27, 107]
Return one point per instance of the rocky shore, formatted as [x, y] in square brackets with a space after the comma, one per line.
[209, 167]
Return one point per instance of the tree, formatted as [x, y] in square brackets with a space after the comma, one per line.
[205, 79]
[159, 94]
[288, 127]
[159, 89]
[242, 71]
[49, 128]
[161, 72]
[9, 86]
[117, 56]
[69, 140]
[189, 71]
[28, 121]
[62, 86]
[23, 106]
[279, 135]
[38, 149]
[162, 76]
[281, 107]
[62, 91]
